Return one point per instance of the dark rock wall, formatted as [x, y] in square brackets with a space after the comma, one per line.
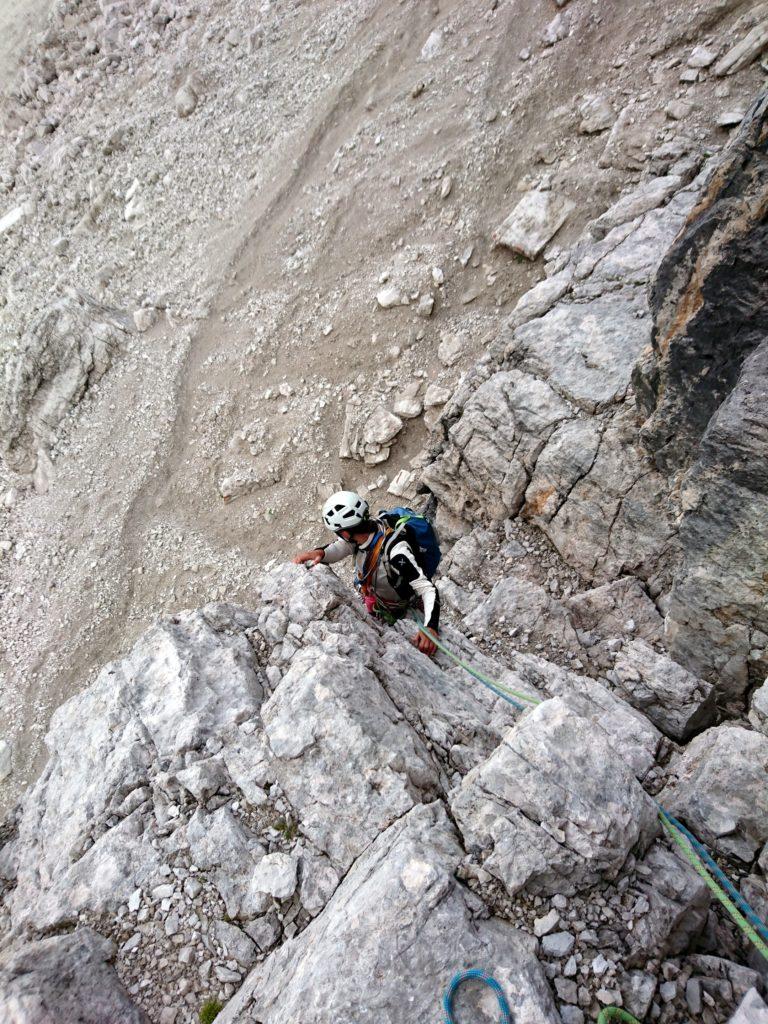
[704, 390]
[709, 300]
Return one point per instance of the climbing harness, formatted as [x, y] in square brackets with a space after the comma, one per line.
[490, 981]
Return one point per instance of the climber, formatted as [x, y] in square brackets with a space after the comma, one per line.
[388, 575]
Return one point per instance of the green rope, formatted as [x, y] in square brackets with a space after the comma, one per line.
[696, 864]
[614, 1013]
[473, 671]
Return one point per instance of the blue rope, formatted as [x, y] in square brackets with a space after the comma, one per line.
[459, 979]
[723, 879]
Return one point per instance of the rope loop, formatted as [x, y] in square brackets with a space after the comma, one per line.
[479, 975]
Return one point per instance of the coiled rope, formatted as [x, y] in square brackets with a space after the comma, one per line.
[490, 981]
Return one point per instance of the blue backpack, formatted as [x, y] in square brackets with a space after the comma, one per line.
[419, 533]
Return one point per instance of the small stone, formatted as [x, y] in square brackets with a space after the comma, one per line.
[134, 901]
[132, 943]
[544, 925]
[701, 57]
[451, 349]
[425, 306]
[435, 395]
[609, 996]
[172, 924]
[162, 892]
[558, 945]
[381, 427]
[225, 975]
[689, 75]
[438, 277]
[144, 319]
[597, 115]
[390, 296]
[403, 484]
[571, 1015]
[445, 188]
[276, 874]
[535, 220]
[678, 110]
[693, 995]
[185, 100]
[192, 887]
[668, 991]
[567, 991]
[730, 118]
[571, 967]
[559, 28]
[599, 965]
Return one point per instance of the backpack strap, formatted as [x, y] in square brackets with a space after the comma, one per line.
[363, 579]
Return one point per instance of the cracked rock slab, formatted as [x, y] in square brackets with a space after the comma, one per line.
[65, 978]
[586, 352]
[720, 791]
[535, 220]
[554, 808]
[405, 923]
[675, 700]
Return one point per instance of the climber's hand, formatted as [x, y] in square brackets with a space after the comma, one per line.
[422, 642]
[313, 557]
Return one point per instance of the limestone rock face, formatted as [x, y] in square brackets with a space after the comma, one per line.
[702, 386]
[66, 978]
[546, 428]
[674, 699]
[720, 792]
[399, 903]
[719, 601]
[66, 351]
[553, 808]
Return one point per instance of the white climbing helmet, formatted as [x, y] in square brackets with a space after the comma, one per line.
[344, 510]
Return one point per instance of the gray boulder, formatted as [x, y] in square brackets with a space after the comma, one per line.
[338, 742]
[610, 609]
[628, 733]
[400, 904]
[674, 699]
[65, 978]
[720, 791]
[529, 607]
[554, 809]
[678, 904]
[82, 841]
[751, 1010]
